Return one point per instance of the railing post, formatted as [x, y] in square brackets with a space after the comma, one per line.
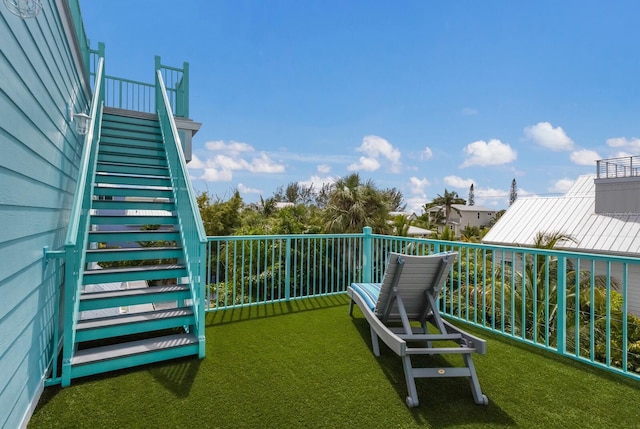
[184, 111]
[561, 290]
[287, 270]
[158, 93]
[367, 254]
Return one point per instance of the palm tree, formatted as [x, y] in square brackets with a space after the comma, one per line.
[447, 200]
[352, 205]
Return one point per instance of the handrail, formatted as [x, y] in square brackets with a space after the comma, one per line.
[190, 223]
[77, 236]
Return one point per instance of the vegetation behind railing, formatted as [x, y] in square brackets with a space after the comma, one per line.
[190, 223]
[571, 303]
[77, 235]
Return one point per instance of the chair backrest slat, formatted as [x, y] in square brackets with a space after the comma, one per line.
[420, 275]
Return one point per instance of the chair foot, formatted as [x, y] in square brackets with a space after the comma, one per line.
[483, 400]
[411, 403]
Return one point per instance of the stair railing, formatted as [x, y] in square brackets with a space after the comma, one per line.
[77, 234]
[194, 239]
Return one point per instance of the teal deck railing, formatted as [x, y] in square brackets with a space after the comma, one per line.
[570, 303]
[77, 235]
[190, 223]
[128, 94]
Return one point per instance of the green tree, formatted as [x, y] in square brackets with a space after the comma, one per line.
[352, 205]
[401, 225]
[220, 217]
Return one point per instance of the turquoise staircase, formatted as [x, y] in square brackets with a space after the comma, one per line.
[135, 305]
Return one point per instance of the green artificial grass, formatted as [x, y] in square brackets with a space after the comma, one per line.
[308, 364]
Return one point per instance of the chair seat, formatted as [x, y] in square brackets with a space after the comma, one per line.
[369, 292]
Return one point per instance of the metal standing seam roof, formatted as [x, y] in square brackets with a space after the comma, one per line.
[572, 214]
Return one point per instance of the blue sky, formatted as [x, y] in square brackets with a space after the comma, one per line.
[416, 95]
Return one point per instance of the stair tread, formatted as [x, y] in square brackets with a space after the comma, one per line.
[115, 351]
[147, 316]
[133, 249]
[134, 269]
[127, 175]
[89, 296]
[134, 232]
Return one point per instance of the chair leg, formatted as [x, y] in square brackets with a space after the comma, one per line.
[412, 398]
[375, 345]
[351, 308]
[478, 396]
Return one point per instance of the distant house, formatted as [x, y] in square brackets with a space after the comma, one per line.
[601, 212]
[284, 204]
[410, 216]
[462, 216]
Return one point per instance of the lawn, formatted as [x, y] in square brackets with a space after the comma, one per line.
[308, 364]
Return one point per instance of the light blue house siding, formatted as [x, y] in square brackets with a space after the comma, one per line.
[40, 75]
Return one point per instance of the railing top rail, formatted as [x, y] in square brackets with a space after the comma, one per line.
[77, 207]
[202, 236]
[518, 249]
[280, 236]
[627, 166]
[178, 69]
[136, 82]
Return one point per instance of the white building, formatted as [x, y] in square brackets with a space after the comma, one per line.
[462, 216]
[600, 212]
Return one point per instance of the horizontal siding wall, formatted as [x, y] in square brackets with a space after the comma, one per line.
[38, 173]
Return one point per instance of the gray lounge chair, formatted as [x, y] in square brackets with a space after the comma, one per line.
[408, 293]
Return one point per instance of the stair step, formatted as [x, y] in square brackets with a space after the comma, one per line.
[147, 133]
[143, 170]
[133, 254]
[159, 219]
[112, 114]
[142, 272]
[125, 355]
[133, 236]
[133, 150]
[133, 205]
[137, 192]
[131, 160]
[126, 142]
[132, 323]
[125, 297]
[132, 179]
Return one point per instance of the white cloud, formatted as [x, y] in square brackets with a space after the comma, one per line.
[195, 163]
[232, 147]
[426, 153]
[545, 135]
[632, 144]
[365, 164]
[414, 204]
[214, 175]
[585, 157]
[375, 148]
[246, 190]
[317, 182]
[225, 158]
[622, 154]
[457, 182]
[417, 185]
[561, 186]
[490, 196]
[264, 164]
[493, 153]
[227, 163]
[324, 168]
[469, 111]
